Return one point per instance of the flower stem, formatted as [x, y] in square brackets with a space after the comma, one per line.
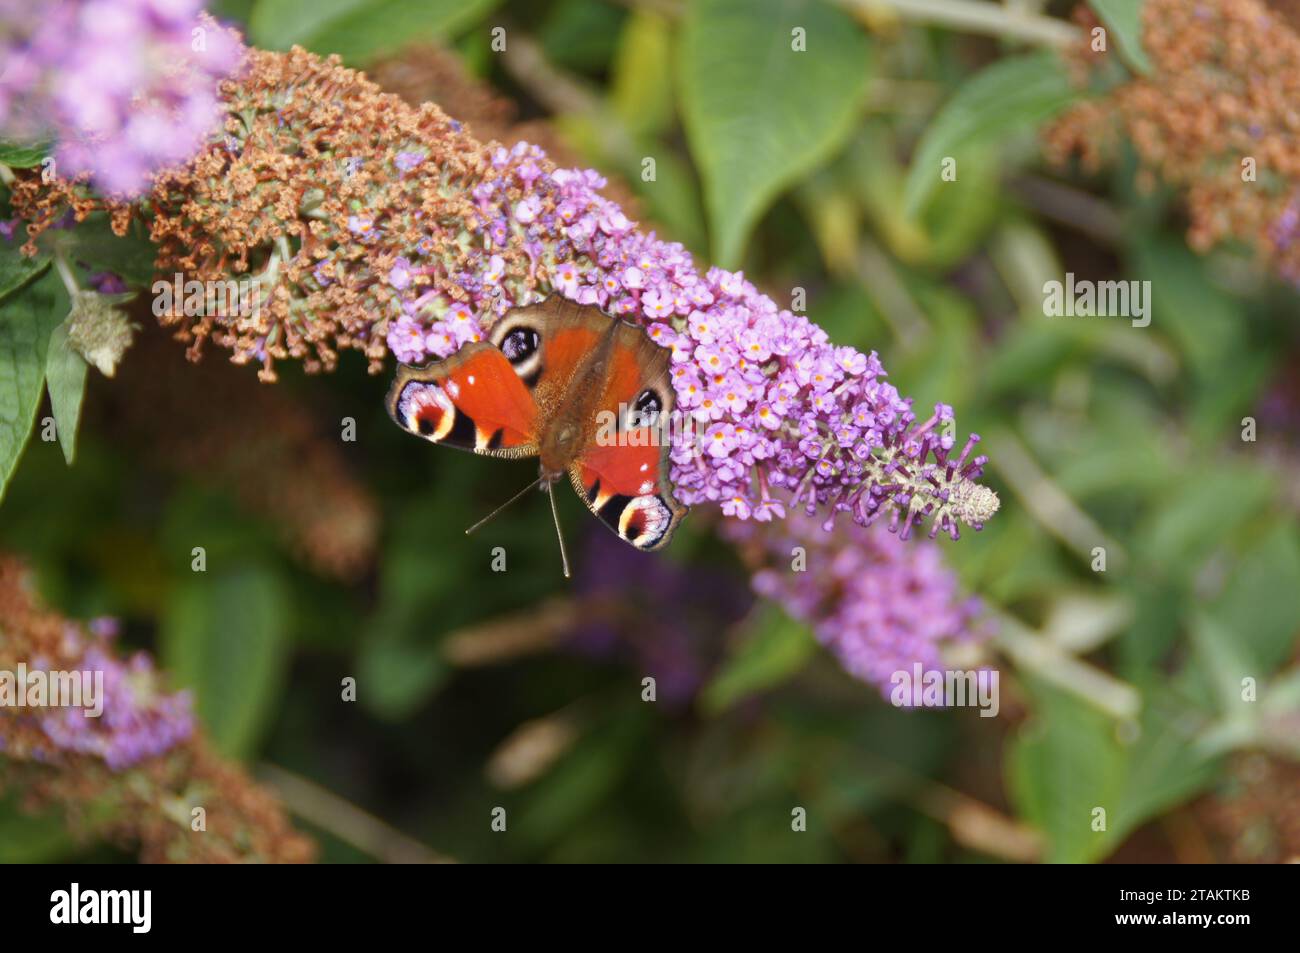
[65, 272]
[1034, 653]
[991, 19]
[346, 821]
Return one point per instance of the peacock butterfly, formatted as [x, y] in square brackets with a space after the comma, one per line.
[545, 384]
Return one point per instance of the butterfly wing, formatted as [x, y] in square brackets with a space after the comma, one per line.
[624, 481]
[627, 488]
[474, 400]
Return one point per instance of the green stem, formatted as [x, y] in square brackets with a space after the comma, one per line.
[65, 272]
[1032, 652]
[346, 821]
[976, 16]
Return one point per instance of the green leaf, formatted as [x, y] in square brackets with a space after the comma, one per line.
[224, 636]
[758, 113]
[1071, 760]
[1013, 93]
[399, 673]
[26, 321]
[1208, 324]
[94, 244]
[1123, 18]
[16, 269]
[1062, 766]
[359, 30]
[640, 90]
[1165, 765]
[1223, 664]
[23, 155]
[28, 838]
[581, 35]
[1198, 514]
[775, 649]
[574, 789]
[1262, 620]
[65, 377]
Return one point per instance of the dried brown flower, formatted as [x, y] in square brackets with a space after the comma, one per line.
[147, 805]
[1216, 117]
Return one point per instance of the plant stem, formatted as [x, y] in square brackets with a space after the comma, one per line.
[65, 272]
[346, 821]
[972, 16]
[1032, 652]
[1051, 506]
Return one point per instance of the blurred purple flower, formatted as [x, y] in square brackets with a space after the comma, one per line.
[878, 603]
[627, 589]
[125, 87]
[137, 722]
[107, 282]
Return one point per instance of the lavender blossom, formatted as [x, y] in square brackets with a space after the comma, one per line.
[780, 408]
[138, 720]
[879, 604]
[126, 87]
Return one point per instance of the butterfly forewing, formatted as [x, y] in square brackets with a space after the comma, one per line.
[473, 401]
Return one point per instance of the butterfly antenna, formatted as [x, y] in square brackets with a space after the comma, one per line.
[504, 505]
[555, 514]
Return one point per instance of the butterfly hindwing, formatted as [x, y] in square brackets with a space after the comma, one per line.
[627, 488]
[473, 400]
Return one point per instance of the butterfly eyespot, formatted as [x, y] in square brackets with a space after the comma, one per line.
[648, 404]
[520, 344]
[644, 521]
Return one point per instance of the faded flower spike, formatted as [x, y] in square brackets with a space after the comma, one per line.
[98, 330]
[1215, 116]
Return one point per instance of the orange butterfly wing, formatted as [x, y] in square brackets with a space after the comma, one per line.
[627, 488]
[473, 400]
[625, 483]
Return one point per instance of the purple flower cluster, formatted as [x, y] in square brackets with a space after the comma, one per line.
[621, 590]
[126, 87]
[879, 604]
[779, 415]
[137, 722]
[1283, 233]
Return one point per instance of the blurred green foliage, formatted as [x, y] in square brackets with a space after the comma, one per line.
[816, 170]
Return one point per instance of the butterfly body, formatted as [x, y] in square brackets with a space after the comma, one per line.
[569, 423]
[548, 383]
